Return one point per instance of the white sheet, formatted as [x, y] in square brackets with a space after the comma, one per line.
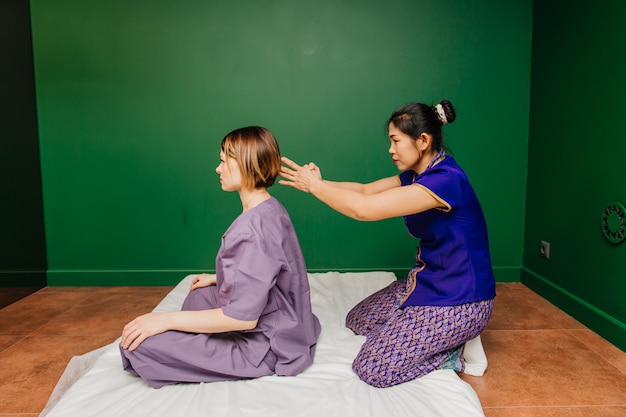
[94, 385]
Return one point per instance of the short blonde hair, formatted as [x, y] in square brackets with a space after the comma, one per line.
[257, 153]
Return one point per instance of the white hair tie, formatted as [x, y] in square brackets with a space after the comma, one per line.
[441, 114]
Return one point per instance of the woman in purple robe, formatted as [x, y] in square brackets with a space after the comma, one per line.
[425, 322]
[253, 316]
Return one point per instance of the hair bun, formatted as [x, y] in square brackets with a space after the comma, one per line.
[445, 112]
[441, 114]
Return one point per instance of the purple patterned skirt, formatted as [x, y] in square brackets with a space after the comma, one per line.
[405, 344]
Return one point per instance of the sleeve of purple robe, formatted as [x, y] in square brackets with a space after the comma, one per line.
[249, 272]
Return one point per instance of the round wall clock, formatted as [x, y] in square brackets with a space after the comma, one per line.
[613, 222]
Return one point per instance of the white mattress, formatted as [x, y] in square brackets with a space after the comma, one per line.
[95, 384]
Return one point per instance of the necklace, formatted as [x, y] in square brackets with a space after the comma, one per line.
[438, 157]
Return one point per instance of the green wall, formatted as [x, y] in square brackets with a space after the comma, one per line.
[134, 97]
[576, 160]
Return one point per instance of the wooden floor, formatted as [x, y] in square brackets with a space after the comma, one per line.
[542, 363]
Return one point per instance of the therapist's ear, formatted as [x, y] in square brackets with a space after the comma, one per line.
[424, 141]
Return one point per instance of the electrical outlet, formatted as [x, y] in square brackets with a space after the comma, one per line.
[545, 249]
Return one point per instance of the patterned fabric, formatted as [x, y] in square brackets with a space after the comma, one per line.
[403, 344]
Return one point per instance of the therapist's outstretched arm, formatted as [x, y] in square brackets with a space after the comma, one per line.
[289, 171]
[390, 200]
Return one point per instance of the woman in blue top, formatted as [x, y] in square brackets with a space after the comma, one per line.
[423, 323]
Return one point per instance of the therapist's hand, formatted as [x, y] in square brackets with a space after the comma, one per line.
[302, 178]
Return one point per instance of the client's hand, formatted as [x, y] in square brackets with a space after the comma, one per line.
[299, 177]
[142, 328]
[202, 280]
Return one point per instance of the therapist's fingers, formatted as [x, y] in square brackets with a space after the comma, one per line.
[286, 172]
[292, 172]
[314, 168]
[290, 163]
[287, 183]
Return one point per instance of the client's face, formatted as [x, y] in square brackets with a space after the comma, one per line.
[230, 174]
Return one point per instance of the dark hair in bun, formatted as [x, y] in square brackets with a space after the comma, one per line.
[414, 119]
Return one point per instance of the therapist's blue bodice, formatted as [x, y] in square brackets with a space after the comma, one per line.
[453, 264]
